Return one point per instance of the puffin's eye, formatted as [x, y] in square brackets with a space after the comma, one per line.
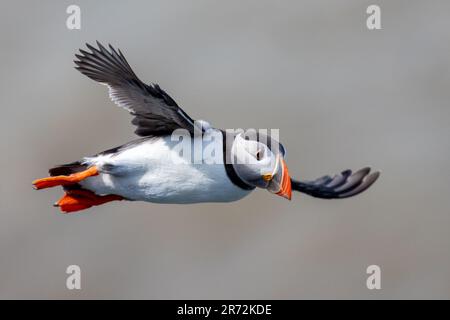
[259, 154]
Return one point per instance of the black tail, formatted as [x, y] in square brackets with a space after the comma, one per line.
[67, 169]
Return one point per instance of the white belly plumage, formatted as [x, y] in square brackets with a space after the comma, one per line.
[153, 171]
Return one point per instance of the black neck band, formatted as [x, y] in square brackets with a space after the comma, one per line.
[231, 173]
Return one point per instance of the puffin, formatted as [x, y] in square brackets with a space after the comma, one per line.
[155, 168]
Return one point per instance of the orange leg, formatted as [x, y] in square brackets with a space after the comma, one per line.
[76, 200]
[65, 180]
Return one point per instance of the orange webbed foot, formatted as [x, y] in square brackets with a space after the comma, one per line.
[76, 200]
[65, 180]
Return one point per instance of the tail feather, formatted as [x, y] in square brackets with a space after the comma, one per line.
[67, 169]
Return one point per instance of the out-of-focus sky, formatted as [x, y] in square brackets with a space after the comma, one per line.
[341, 95]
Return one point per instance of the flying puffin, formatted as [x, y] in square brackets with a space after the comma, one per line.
[151, 169]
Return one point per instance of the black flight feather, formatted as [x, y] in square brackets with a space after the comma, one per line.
[155, 112]
[343, 185]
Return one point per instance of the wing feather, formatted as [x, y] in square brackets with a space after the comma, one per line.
[343, 185]
[155, 112]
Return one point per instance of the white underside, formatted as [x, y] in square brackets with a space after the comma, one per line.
[147, 172]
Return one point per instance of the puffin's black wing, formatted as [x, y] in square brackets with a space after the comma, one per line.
[156, 113]
[343, 185]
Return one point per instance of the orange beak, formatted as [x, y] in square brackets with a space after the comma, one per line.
[285, 186]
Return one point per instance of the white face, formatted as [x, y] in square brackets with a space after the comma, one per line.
[254, 162]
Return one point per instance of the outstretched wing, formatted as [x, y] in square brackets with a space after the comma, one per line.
[343, 185]
[156, 113]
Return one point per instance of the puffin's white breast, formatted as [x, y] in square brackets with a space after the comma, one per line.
[154, 171]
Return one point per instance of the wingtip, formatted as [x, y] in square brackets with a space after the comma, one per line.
[367, 181]
[92, 48]
[376, 174]
[364, 170]
[371, 172]
[346, 172]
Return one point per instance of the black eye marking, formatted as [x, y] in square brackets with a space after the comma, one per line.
[259, 155]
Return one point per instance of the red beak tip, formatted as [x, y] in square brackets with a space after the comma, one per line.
[286, 188]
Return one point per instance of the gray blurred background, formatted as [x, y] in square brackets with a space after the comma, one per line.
[342, 96]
